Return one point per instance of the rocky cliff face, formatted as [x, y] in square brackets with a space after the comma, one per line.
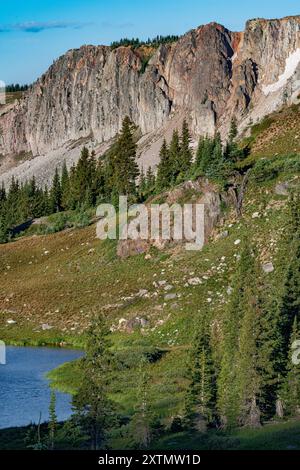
[207, 76]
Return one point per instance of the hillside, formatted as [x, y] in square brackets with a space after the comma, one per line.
[277, 134]
[52, 286]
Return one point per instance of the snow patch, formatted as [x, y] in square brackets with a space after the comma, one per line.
[292, 63]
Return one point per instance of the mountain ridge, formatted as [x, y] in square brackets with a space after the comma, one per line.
[208, 76]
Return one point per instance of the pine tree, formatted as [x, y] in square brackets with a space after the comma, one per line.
[142, 421]
[233, 132]
[52, 425]
[200, 403]
[249, 380]
[185, 156]
[142, 183]
[150, 180]
[2, 194]
[294, 213]
[268, 343]
[55, 194]
[215, 165]
[164, 169]
[124, 169]
[174, 155]
[290, 391]
[82, 178]
[4, 229]
[239, 380]
[65, 187]
[204, 154]
[93, 409]
[289, 307]
[233, 153]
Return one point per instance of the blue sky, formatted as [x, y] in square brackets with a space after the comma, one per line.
[33, 33]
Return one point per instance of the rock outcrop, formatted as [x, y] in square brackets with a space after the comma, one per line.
[207, 76]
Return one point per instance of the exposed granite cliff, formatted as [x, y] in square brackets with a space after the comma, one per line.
[207, 76]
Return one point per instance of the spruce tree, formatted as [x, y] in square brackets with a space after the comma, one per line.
[239, 379]
[185, 156]
[233, 153]
[200, 403]
[164, 169]
[215, 165]
[65, 187]
[55, 194]
[248, 376]
[2, 194]
[233, 132]
[4, 229]
[290, 390]
[82, 178]
[142, 421]
[52, 425]
[93, 409]
[174, 155]
[204, 154]
[142, 183]
[122, 162]
[150, 180]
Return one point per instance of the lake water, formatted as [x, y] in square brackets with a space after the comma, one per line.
[24, 390]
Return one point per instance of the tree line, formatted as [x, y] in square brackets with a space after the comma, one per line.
[92, 181]
[15, 87]
[136, 42]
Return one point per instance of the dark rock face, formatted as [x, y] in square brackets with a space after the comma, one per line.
[207, 76]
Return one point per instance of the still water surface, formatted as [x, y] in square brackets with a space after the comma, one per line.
[24, 390]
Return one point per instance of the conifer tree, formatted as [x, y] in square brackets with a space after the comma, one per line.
[290, 391]
[185, 156]
[52, 426]
[174, 155]
[143, 418]
[55, 194]
[4, 229]
[142, 183]
[200, 403]
[164, 169]
[232, 152]
[233, 132]
[122, 167]
[2, 194]
[81, 180]
[65, 187]
[238, 391]
[248, 376]
[215, 164]
[289, 307]
[93, 409]
[204, 154]
[150, 180]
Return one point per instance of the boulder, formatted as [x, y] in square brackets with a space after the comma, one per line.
[282, 189]
[268, 267]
